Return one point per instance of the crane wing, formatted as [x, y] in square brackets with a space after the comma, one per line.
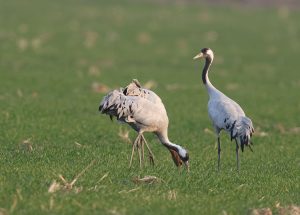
[228, 115]
[132, 109]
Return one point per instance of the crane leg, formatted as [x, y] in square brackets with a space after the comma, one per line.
[139, 146]
[219, 153]
[135, 143]
[151, 155]
[143, 150]
[237, 156]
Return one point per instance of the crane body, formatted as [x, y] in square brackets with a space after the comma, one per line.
[143, 111]
[224, 112]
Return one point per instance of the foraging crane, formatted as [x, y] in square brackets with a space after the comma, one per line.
[144, 111]
[224, 112]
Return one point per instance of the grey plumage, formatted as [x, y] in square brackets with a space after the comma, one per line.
[144, 111]
[135, 89]
[225, 113]
[118, 105]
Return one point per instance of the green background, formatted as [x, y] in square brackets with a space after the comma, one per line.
[57, 60]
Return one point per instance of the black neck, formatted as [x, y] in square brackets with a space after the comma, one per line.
[205, 69]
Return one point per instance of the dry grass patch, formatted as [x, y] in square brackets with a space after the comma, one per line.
[149, 179]
[68, 186]
[26, 145]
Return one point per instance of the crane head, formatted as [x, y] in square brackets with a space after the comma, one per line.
[184, 157]
[205, 53]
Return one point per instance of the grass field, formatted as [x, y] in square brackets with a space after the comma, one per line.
[56, 60]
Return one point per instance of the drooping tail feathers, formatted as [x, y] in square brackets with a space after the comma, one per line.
[116, 104]
[242, 129]
[123, 103]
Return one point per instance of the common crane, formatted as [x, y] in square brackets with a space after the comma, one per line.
[225, 113]
[144, 111]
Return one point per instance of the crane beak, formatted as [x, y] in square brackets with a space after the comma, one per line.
[200, 55]
[187, 166]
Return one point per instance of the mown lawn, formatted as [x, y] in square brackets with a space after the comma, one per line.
[57, 60]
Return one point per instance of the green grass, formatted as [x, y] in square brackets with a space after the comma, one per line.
[46, 94]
